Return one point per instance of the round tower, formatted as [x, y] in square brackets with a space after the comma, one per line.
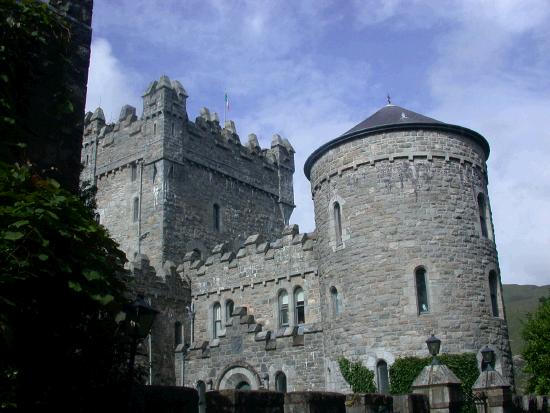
[405, 243]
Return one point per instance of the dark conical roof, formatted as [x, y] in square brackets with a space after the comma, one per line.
[392, 115]
[393, 118]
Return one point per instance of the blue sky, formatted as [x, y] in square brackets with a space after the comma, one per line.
[309, 70]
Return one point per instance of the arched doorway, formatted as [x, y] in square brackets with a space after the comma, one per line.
[239, 377]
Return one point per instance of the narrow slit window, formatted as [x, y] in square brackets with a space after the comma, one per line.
[493, 289]
[217, 320]
[421, 291]
[154, 128]
[136, 209]
[299, 306]
[173, 128]
[482, 214]
[336, 301]
[283, 309]
[133, 172]
[216, 217]
[337, 223]
[178, 334]
[382, 377]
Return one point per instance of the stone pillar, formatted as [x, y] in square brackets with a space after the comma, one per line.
[493, 393]
[244, 401]
[369, 403]
[411, 403]
[315, 402]
[442, 388]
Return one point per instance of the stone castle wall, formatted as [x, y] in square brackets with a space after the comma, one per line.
[178, 170]
[408, 200]
[252, 278]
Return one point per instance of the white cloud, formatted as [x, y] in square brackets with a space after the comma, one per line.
[489, 75]
[109, 84]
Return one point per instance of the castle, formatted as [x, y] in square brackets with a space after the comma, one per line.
[403, 246]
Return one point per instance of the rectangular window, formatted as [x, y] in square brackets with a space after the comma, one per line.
[421, 291]
[133, 172]
[136, 209]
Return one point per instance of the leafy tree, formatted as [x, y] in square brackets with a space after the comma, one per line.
[536, 333]
[60, 295]
[61, 276]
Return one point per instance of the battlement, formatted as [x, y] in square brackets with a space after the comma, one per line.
[243, 325]
[256, 263]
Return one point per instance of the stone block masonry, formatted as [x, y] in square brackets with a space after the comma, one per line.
[166, 185]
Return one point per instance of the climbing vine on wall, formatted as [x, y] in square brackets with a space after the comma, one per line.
[359, 377]
[464, 366]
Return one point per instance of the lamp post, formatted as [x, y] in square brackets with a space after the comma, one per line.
[139, 318]
[488, 358]
[434, 344]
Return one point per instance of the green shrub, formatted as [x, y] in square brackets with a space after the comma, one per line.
[359, 377]
[464, 366]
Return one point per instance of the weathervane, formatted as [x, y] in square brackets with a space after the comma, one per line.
[389, 99]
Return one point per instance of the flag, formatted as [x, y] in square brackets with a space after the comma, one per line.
[226, 101]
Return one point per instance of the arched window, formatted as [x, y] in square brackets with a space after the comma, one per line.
[493, 289]
[136, 209]
[283, 308]
[229, 306]
[201, 389]
[421, 290]
[280, 382]
[482, 207]
[216, 217]
[299, 306]
[335, 301]
[382, 378]
[337, 223]
[178, 333]
[217, 320]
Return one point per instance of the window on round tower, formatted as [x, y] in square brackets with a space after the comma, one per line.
[178, 333]
[482, 208]
[421, 290]
[337, 216]
[494, 292]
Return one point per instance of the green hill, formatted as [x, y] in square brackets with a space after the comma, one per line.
[518, 301]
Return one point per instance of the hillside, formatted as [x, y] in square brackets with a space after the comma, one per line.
[520, 300]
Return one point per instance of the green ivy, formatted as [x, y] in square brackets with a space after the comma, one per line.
[464, 366]
[359, 377]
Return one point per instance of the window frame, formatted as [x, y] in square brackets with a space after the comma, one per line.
[283, 309]
[417, 271]
[337, 219]
[216, 320]
[297, 307]
[336, 301]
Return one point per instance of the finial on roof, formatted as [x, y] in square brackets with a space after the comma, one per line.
[388, 97]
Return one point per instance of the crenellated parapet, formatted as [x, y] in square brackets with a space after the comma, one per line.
[257, 262]
[164, 130]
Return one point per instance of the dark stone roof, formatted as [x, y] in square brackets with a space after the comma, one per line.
[393, 118]
[392, 115]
